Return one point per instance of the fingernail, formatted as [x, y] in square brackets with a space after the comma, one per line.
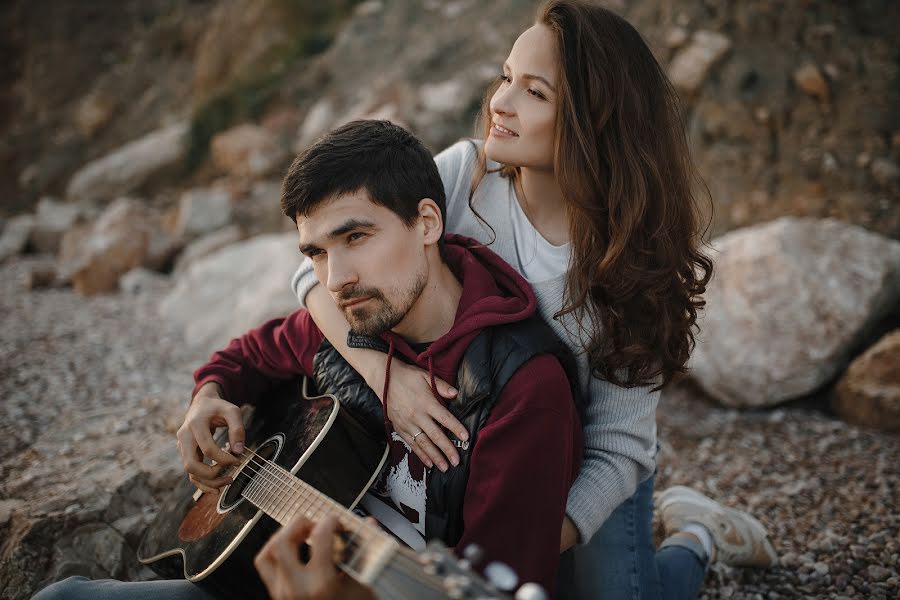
[455, 461]
[239, 447]
[454, 390]
[443, 468]
[465, 436]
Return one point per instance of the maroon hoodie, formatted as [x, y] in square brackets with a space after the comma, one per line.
[527, 454]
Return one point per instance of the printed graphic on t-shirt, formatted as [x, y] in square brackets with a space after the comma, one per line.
[401, 484]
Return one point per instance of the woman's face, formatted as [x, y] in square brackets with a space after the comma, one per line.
[523, 109]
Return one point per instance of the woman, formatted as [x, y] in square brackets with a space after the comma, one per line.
[584, 184]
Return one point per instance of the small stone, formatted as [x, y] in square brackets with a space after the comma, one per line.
[885, 171]
[878, 573]
[40, 277]
[821, 568]
[72, 508]
[762, 115]
[863, 159]
[809, 79]
[676, 37]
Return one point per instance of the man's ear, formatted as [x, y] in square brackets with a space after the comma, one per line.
[430, 218]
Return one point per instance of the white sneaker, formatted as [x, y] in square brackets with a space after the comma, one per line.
[741, 540]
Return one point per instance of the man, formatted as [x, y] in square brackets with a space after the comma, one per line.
[369, 208]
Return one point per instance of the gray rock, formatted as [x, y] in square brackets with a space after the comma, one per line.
[202, 210]
[788, 303]
[319, 119]
[52, 220]
[225, 293]
[691, 65]
[205, 245]
[885, 171]
[15, 235]
[125, 169]
[248, 151]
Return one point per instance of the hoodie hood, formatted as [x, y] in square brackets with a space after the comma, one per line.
[493, 293]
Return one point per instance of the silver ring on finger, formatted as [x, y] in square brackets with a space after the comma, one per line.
[417, 435]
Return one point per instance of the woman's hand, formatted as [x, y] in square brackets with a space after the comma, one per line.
[412, 408]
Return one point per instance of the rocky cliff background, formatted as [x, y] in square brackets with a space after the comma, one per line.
[141, 150]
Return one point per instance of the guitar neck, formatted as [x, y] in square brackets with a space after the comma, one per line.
[278, 493]
[366, 553]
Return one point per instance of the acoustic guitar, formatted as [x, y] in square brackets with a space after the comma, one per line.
[304, 455]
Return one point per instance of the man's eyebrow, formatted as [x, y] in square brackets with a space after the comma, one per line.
[344, 228]
[349, 225]
[532, 77]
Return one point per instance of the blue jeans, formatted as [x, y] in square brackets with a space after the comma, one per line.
[82, 588]
[620, 561]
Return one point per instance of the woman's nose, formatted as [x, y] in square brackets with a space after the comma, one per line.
[501, 103]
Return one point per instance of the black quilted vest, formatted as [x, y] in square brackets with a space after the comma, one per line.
[489, 362]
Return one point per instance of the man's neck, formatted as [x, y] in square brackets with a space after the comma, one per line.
[434, 313]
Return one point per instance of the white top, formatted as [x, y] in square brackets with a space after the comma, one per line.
[620, 423]
[536, 259]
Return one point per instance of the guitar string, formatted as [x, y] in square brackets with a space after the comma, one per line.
[268, 474]
[408, 564]
[386, 585]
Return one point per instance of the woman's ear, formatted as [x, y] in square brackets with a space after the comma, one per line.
[431, 220]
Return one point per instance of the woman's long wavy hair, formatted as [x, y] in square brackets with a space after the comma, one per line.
[622, 159]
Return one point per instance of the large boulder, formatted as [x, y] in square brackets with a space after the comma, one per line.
[248, 151]
[15, 235]
[868, 393]
[53, 220]
[788, 304]
[230, 291]
[125, 236]
[203, 210]
[127, 168]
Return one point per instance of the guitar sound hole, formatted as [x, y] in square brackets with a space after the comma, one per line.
[232, 494]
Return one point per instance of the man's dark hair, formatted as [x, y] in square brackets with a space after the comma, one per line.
[387, 161]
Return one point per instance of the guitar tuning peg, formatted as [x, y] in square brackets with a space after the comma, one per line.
[531, 591]
[502, 576]
[473, 553]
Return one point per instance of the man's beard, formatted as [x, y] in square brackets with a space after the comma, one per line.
[378, 315]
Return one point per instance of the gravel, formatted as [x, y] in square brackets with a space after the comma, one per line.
[826, 491]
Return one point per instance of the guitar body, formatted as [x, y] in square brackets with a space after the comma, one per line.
[212, 539]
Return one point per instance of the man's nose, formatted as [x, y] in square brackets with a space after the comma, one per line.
[340, 275]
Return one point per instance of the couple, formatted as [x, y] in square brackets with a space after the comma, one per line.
[599, 217]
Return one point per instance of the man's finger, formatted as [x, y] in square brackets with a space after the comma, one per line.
[321, 542]
[208, 445]
[235, 429]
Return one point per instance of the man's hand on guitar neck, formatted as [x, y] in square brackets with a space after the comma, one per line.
[208, 411]
[279, 566]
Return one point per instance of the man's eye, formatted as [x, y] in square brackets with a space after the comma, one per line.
[356, 235]
[504, 78]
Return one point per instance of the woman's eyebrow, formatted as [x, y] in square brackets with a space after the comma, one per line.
[532, 77]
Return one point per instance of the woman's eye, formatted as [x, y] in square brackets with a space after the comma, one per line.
[535, 93]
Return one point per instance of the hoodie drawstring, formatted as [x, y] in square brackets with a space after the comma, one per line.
[388, 426]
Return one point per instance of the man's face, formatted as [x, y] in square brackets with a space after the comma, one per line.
[373, 265]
